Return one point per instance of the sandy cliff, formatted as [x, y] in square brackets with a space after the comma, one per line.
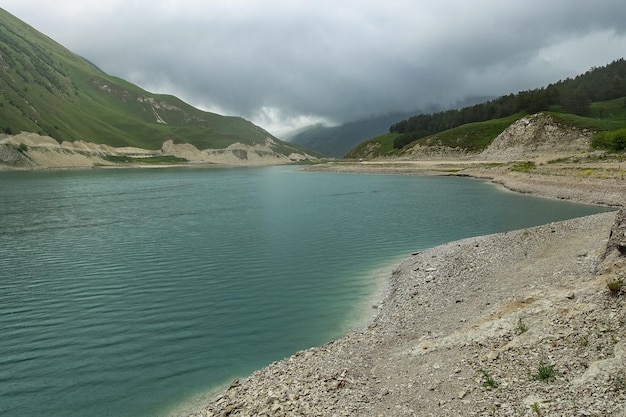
[537, 135]
[32, 151]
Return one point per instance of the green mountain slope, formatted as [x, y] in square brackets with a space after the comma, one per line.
[46, 89]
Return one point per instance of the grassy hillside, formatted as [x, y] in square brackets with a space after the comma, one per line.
[472, 137]
[605, 117]
[48, 90]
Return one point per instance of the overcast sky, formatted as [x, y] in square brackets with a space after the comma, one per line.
[284, 63]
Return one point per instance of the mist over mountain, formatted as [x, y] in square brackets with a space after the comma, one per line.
[337, 141]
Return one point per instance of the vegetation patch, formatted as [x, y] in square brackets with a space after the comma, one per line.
[473, 137]
[488, 380]
[615, 285]
[535, 408]
[545, 373]
[521, 327]
[165, 159]
[614, 141]
[526, 166]
[565, 160]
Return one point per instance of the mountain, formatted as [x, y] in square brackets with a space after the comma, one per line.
[50, 91]
[338, 140]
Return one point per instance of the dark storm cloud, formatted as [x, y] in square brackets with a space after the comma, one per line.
[284, 63]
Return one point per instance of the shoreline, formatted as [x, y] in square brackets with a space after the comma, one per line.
[433, 333]
[363, 316]
[598, 183]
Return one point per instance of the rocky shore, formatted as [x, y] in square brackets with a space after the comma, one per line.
[513, 324]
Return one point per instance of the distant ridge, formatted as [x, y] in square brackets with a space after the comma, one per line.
[336, 141]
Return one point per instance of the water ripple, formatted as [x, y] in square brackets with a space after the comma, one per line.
[123, 292]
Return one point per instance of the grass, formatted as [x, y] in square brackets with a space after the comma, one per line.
[614, 141]
[521, 327]
[603, 116]
[488, 380]
[535, 408]
[607, 118]
[166, 159]
[545, 373]
[473, 137]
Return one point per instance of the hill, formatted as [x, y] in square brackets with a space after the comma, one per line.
[52, 92]
[602, 127]
[573, 96]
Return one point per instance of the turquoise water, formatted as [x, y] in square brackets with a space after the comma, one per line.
[126, 292]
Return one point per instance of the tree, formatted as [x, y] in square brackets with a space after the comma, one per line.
[577, 102]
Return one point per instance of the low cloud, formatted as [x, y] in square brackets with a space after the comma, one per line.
[283, 63]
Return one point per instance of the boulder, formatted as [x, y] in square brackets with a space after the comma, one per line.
[613, 260]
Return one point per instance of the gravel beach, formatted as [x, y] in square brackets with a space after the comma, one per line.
[513, 324]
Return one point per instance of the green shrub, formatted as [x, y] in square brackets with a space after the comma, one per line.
[545, 373]
[535, 407]
[521, 327]
[611, 141]
[615, 285]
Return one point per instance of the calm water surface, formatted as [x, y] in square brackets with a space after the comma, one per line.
[126, 292]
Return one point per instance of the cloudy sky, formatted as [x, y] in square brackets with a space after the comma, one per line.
[285, 63]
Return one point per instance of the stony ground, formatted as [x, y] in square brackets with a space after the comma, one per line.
[515, 324]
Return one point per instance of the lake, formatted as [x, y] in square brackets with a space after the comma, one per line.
[126, 292]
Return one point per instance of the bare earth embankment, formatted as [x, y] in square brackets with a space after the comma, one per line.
[29, 151]
[512, 324]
